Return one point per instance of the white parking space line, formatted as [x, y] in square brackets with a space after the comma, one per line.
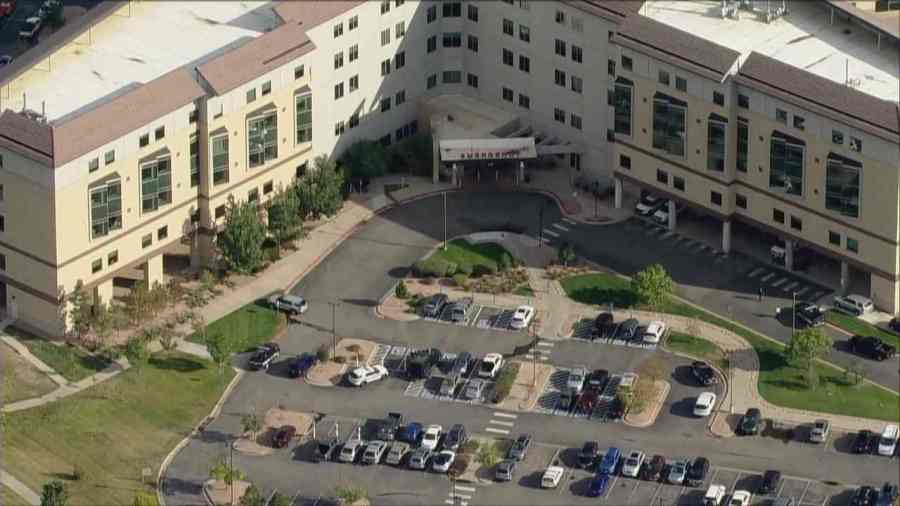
[465, 489]
[790, 285]
[570, 221]
[505, 415]
[779, 282]
[451, 501]
[808, 483]
[756, 272]
[550, 232]
[560, 227]
[767, 277]
[496, 431]
[505, 424]
[546, 344]
[801, 292]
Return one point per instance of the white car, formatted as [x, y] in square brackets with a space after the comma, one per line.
[856, 305]
[714, 495]
[740, 498]
[551, 477]
[648, 205]
[887, 444]
[374, 451]
[441, 462]
[360, 376]
[575, 382]
[431, 436]
[31, 27]
[490, 365]
[522, 317]
[705, 403]
[655, 332]
[633, 463]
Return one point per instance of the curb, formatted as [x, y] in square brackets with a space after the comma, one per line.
[160, 498]
[573, 217]
[659, 407]
[725, 383]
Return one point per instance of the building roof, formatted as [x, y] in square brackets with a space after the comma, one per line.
[313, 13]
[681, 48]
[804, 88]
[886, 22]
[26, 137]
[614, 10]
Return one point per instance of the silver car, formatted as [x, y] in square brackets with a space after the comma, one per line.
[420, 458]
[677, 472]
[575, 382]
[374, 451]
[396, 453]
[475, 389]
[505, 470]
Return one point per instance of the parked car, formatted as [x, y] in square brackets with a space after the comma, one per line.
[802, 256]
[301, 364]
[633, 463]
[419, 458]
[610, 461]
[588, 400]
[283, 436]
[575, 381]
[887, 444]
[856, 305]
[589, 454]
[359, 376]
[505, 470]
[567, 400]
[661, 215]
[442, 461]
[628, 380]
[750, 422]
[420, 363]
[705, 404]
[324, 449]
[410, 433]
[350, 451]
[616, 409]
[374, 451]
[819, 432]
[889, 493]
[704, 373]
[864, 496]
[654, 332]
[293, 305]
[519, 448]
[770, 483]
[432, 436]
[809, 314]
[866, 442]
[456, 437]
[653, 468]
[714, 495]
[435, 305]
[386, 428]
[263, 357]
[397, 453]
[522, 317]
[5, 60]
[597, 379]
[599, 484]
[627, 330]
[460, 309]
[551, 477]
[697, 471]
[604, 326]
[740, 498]
[475, 389]
[649, 204]
[677, 472]
[894, 325]
[871, 347]
[31, 27]
[490, 365]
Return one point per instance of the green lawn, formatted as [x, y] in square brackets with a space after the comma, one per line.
[9, 498]
[71, 362]
[696, 347]
[462, 253]
[113, 430]
[779, 382]
[21, 380]
[854, 325]
[250, 326]
[524, 291]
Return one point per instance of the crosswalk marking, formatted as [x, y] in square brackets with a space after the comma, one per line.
[767, 277]
[790, 285]
[496, 431]
[560, 227]
[451, 501]
[505, 415]
[801, 292]
[545, 343]
[570, 221]
[505, 424]
[465, 489]
[756, 272]
[780, 282]
[550, 233]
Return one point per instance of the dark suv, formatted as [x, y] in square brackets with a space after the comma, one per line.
[771, 481]
[809, 314]
[704, 373]
[604, 325]
[750, 422]
[697, 472]
[866, 441]
[456, 437]
[653, 469]
[589, 454]
[627, 331]
[435, 305]
[871, 347]
[263, 357]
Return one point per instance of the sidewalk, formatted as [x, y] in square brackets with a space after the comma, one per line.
[577, 204]
[30, 496]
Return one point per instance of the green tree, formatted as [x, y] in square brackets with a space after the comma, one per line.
[279, 499]
[252, 497]
[566, 254]
[365, 158]
[54, 493]
[138, 303]
[144, 499]
[414, 154]
[251, 423]
[321, 192]
[653, 286]
[242, 237]
[220, 348]
[137, 352]
[103, 324]
[228, 474]
[350, 494]
[401, 292]
[804, 348]
[80, 311]
[285, 222]
[488, 454]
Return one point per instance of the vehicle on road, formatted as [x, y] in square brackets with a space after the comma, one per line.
[628, 330]
[396, 453]
[551, 477]
[697, 472]
[770, 483]
[419, 459]
[853, 304]
[750, 422]
[31, 27]
[704, 373]
[714, 495]
[610, 461]
[866, 442]
[740, 498]
[359, 376]
[871, 347]
[442, 461]
[633, 463]
[410, 433]
[819, 432]
[575, 380]
[459, 310]
[506, 469]
[293, 305]
[374, 451]
[604, 326]
[809, 314]
[888, 442]
[521, 319]
[435, 305]
[705, 404]
[350, 450]
[432, 436]
[864, 496]
[653, 468]
[5, 60]
[456, 437]
[475, 389]
[263, 357]
[677, 472]
[283, 436]
[599, 484]
[301, 364]
[490, 365]
[654, 332]
[589, 454]
[519, 448]
[648, 205]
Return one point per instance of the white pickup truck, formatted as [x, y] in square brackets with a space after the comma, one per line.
[714, 495]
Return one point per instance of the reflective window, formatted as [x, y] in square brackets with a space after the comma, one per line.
[715, 145]
[669, 117]
[842, 178]
[106, 209]
[786, 164]
[156, 185]
[624, 91]
[743, 144]
[262, 140]
[219, 159]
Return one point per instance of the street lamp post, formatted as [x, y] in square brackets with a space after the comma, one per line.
[445, 221]
[231, 467]
[541, 225]
[794, 315]
[333, 333]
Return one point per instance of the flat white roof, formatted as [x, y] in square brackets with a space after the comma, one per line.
[803, 39]
[472, 118]
[129, 50]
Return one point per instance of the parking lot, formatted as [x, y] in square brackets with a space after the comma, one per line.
[480, 316]
[582, 332]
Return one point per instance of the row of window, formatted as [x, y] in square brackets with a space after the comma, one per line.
[352, 24]
[561, 48]
[451, 10]
[509, 28]
[352, 55]
[577, 23]
[799, 122]
[559, 77]
[507, 95]
[574, 120]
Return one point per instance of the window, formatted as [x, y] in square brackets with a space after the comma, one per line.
[113, 257]
[786, 164]
[834, 238]
[2, 262]
[575, 121]
[559, 115]
[625, 162]
[781, 116]
[524, 33]
[472, 12]
[353, 52]
[508, 57]
[778, 216]
[680, 84]
[267, 187]
[799, 122]
[626, 63]
[301, 170]
[352, 23]
[146, 241]
[431, 44]
[251, 93]
[299, 71]
[219, 148]
[842, 178]
[338, 59]
[561, 17]
[1, 161]
[303, 116]
[266, 88]
[156, 185]
[106, 209]
[852, 245]
[524, 101]
[338, 90]
[96, 266]
[144, 140]
[398, 3]
[253, 196]
[472, 80]
[262, 139]
[743, 101]
[220, 212]
[452, 77]
[662, 176]
[576, 54]
[452, 9]
[837, 137]
[162, 233]
[524, 63]
[523, 4]
[663, 77]
[385, 104]
[195, 161]
[678, 182]
[559, 78]
[110, 156]
[385, 36]
[716, 142]
[740, 201]
[796, 223]
[400, 30]
[718, 99]
[1, 192]
[353, 84]
[386, 67]
[743, 144]
[385, 6]
[431, 14]
[578, 24]
[507, 94]
[622, 97]
[577, 85]
[472, 43]
[611, 67]
[560, 47]
[431, 81]
[338, 30]
[855, 144]
[400, 97]
[669, 119]
[452, 39]
[715, 198]
[508, 27]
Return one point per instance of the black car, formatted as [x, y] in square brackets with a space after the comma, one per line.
[420, 363]
[589, 454]
[889, 494]
[653, 468]
[866, 441]
[770, 482]
[871, 347]
[894, 325]
[864, 496]
[697, 472]
[704, 373]
[435, 305]
[604, 325]
[597, 379]
[263, 357]
[628, 330]
[301, 364]
[750, 422]
[324, 449]
[519, 448]
[809, 314]
[386, 428]
[456, 437]
[616, 409]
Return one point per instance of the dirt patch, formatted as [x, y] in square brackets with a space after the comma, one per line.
[326, 374]
[646, 417]
[527, 387]
[274, 418]
[220, 493]
[330, 372]
[24, 380]
[393, 308]
[365, 351]
[724, 424]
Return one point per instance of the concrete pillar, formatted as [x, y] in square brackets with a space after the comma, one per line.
[726, 236]
[885, 293]
[617, 183]
[435, 159]
[453, 176]
[672, 217]
[103, 292]
[521, 178]
[789, 255]
[153, 271]
[845, 276]
[205, 249]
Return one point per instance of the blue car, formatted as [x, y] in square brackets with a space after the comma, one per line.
[411, 433]
[609, 462]
[598, 485]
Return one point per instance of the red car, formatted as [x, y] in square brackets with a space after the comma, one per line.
[283, 436]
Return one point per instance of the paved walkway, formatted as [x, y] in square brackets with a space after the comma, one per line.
[30, 496]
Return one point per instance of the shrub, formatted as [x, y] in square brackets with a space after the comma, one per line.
[434, 268]
[505, 381]
[401, 292]
[460, 280]
[322, 353]
[483, 270]
[506, 262]
[464, 269]
[469, 447]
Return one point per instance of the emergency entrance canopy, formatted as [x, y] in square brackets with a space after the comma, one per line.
[515, 148]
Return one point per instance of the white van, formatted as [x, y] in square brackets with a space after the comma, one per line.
[888, 442]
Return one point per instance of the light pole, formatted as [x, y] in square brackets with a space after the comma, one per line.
[445, 221]
[533, 358]
[231, 467]
[541, 225]
[333, 333]
[794, 314]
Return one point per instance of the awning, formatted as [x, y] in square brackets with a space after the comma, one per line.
[515, 148]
